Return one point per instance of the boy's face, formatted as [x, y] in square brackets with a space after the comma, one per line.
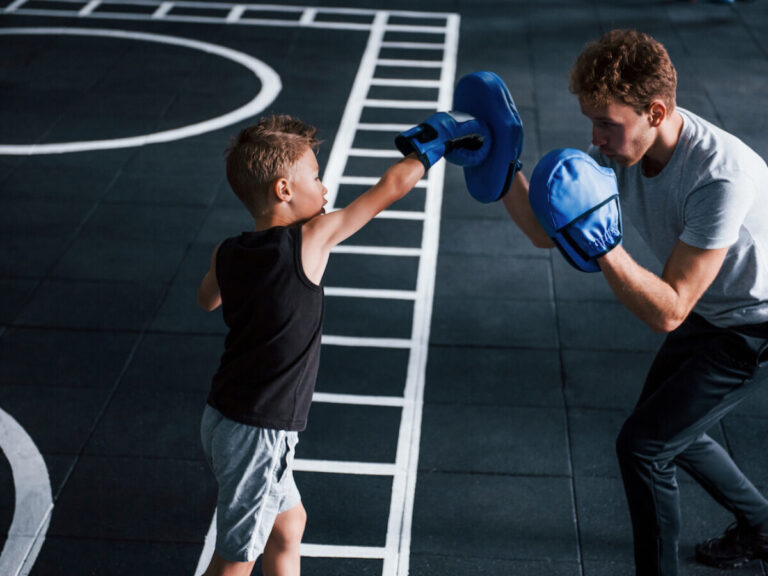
[308, 191]
[619, 131]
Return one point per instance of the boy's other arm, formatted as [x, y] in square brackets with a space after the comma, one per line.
[519, 208]
[208, 295]
[322, 233]
[662, 302]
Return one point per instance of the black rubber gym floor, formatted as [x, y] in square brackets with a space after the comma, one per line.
[471, 386]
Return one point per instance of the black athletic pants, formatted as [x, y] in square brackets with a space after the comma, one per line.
[700, 373]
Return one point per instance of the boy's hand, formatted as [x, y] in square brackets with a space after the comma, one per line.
[443, 132]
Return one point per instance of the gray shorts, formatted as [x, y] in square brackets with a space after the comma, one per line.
[254, 470]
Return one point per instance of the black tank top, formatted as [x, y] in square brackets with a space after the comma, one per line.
[274, 314]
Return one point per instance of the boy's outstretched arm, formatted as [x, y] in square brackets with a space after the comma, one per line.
[322, 233]
[208, 295]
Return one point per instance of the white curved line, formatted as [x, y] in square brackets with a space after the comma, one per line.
[34, 502]
[270, 88]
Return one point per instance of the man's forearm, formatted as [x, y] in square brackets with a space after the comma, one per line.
[644, 293]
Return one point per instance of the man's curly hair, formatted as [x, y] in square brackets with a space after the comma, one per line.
[262, 153]
[626, 66]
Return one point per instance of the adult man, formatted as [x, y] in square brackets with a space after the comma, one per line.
[699, 198]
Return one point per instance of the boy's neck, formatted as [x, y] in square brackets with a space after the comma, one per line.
[271, 220]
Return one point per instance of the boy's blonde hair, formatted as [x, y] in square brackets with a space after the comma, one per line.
[262, 153]
[626, 66]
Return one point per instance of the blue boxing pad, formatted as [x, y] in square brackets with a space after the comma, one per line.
[577, 203]
[485, 96]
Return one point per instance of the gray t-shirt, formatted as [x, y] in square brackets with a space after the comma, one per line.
[713, 193]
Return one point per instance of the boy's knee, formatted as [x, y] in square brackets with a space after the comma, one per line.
[289, 527]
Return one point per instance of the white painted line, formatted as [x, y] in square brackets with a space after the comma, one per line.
[340, 467]
[382, 127]
[337, 161]
[374, 153]
[400, 521]
[402, 104]
[414, 45]
[328, 551]
[13, 6]
[270, 88]
[162, 10]
[377, 251]
[370, 293]
[235, 13]
[405, 83]
[370, 181]
[409, 63]
[410, 28]
[32, 495]
[400, 215]
[363, 342]
[88, 8]
[308, 16]
[358, 399]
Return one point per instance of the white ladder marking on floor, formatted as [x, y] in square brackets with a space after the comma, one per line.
[359, 399]
[377, 251]
[364, 342]
[395, 554]
[341, 467]
[370, 293]
[231, 13]
[88, 8]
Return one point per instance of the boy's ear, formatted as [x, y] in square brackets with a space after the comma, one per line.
[282, 190]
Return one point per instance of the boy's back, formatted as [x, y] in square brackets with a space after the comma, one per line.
[274, 314]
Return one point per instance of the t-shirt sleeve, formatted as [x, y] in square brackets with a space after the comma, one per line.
[714, 213]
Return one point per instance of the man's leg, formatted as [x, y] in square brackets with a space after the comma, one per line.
[699, 375]
[282, 554]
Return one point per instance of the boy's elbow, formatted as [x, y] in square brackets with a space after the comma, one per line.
[206, 302]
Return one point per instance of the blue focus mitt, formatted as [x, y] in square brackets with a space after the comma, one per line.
[441, 133]
[488, 173]
[577, 203]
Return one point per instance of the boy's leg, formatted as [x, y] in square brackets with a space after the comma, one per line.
[221, 567]
[282, 554]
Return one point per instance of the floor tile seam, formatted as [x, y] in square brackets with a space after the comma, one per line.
[504, 405]
[78, 329]
[164, 390]
[122, 457]
[559, 340]
[51, 535]
[493, 557]
[156, 204]
[470, 346]
[491, 474]
[66, 245]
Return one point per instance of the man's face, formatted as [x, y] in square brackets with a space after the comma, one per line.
[619, 131]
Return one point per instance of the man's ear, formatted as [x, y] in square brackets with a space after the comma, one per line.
[282, 190]
[657, 112]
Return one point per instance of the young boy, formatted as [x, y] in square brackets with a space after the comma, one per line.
[268, 283]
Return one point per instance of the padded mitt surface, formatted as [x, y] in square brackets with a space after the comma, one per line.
[485, 96]
[576, 202]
